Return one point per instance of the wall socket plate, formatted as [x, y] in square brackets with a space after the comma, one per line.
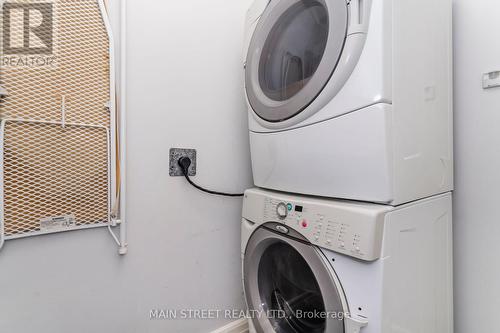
[174, 168]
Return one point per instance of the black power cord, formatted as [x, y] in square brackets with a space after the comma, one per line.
[184, 162]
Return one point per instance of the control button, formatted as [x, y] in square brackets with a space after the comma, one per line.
[282, 210]
[304, 224]
[282, 229]
[316, 237]
[342, 244]
[358, 249]
[329, 241]
[289, 206]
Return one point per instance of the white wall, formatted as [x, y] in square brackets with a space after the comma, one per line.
[477, 145]
[185, 77]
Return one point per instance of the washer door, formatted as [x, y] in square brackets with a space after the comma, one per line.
[289, 288]
[293, 53]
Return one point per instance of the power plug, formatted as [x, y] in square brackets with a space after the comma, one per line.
[176, 154]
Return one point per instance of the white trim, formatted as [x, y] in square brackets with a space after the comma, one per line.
[122, 242]
[34, 121]
[40, 233]
[63, 111]
[123, 127]
[239, 326]
[111, 107]
[110, 174]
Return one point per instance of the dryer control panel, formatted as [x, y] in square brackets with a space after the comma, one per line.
[354, 229]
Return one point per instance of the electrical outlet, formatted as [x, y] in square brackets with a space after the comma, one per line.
[175, 154]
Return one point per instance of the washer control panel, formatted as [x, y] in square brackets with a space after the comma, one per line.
[354, 229]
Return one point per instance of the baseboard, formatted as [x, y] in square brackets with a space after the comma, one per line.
[239, 326]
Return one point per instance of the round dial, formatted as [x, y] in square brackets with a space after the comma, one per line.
[282, 210]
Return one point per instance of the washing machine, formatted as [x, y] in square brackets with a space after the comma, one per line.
[317, 265]
[351, 99]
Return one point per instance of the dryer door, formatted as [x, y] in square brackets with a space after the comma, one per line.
[289, 287]
[293, 53]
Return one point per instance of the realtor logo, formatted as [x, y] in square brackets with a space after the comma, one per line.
[27, 28]
[27, 34]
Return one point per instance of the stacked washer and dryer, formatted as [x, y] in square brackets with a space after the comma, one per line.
[350, 118]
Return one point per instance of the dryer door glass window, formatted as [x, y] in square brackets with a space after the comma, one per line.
[293, 53]
[288, 290]
[293, 50]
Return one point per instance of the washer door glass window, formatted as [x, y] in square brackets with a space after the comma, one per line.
[289, 285]
[292, 55]
[289, 291]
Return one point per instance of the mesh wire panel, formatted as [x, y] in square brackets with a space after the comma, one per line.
[80, 73]
[53, 170]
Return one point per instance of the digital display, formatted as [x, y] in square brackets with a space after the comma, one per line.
[298, 208]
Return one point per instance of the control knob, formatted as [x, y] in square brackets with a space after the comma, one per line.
[282, 210]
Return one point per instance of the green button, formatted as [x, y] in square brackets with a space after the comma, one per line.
[289, 206]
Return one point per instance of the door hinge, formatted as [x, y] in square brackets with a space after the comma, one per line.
[354, 325]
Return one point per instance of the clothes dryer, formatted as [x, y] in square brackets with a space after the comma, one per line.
[351, 98]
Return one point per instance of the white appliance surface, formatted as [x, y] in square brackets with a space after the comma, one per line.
[380, 129]
[394, 268]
